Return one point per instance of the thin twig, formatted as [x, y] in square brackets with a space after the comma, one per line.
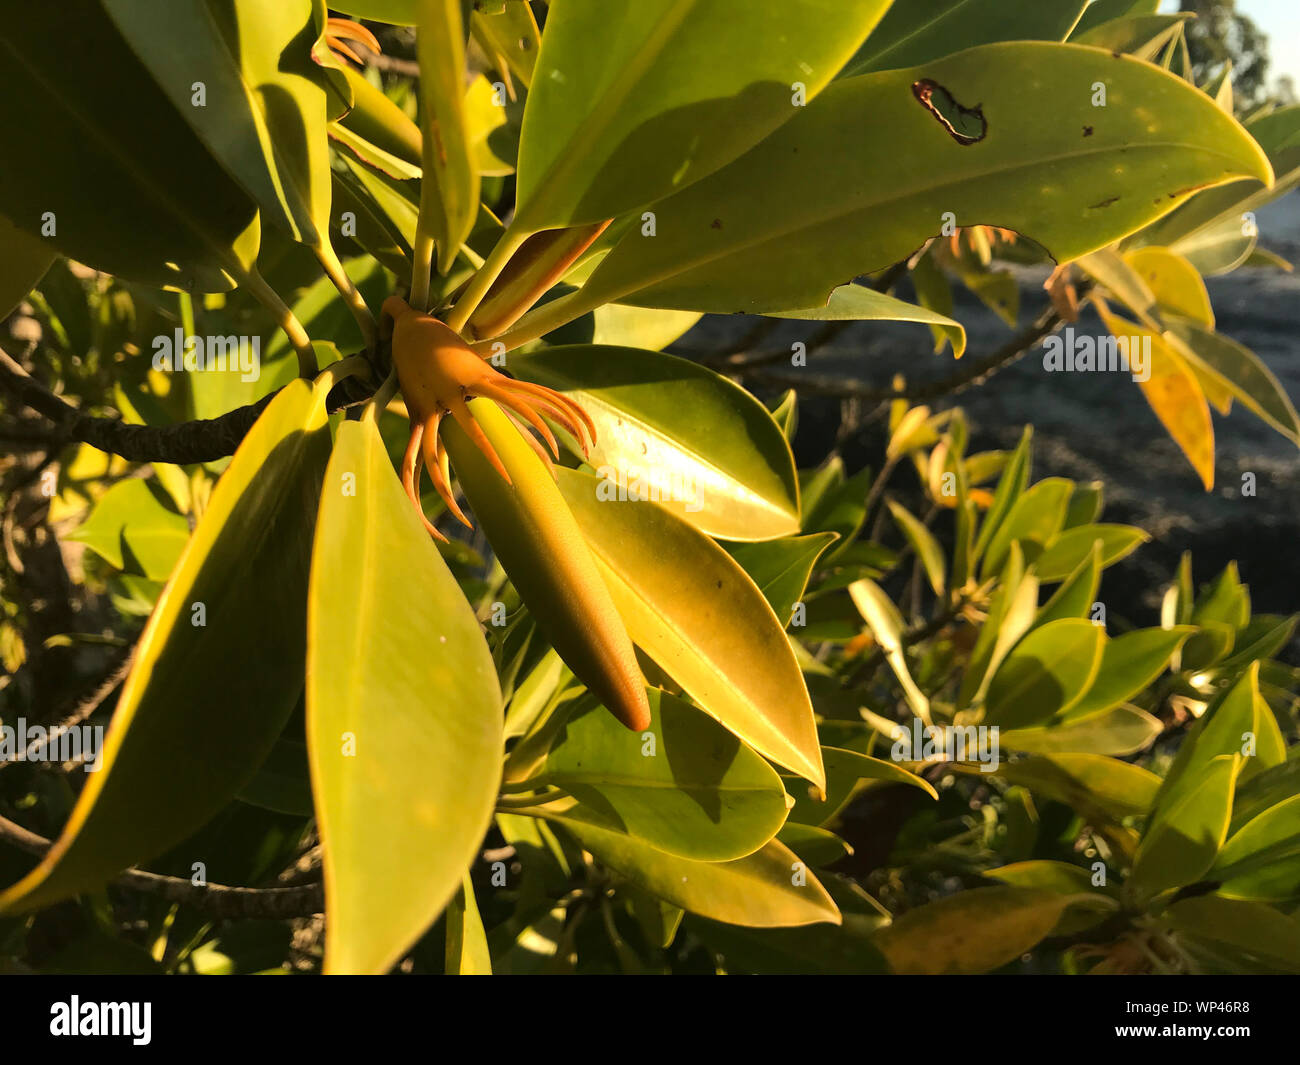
[202, 440]
[212, 900]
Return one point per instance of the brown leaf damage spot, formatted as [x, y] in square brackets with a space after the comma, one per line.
[966, 125]
[1104, 203]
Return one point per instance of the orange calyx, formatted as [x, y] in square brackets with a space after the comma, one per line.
[439, 373]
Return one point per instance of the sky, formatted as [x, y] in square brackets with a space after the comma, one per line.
[1280, 19]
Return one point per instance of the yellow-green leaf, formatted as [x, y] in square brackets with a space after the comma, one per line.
[403, 713]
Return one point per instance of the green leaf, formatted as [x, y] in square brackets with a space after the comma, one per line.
[1245, 931]
[970, 932]
[1122, 730]
[1075, 597]
[1046, 673]
[768, 889]
[112, 172]
[263, 114]
[1102, 11]
[133, 529]
[819, 847]
[1086, 782]
[695, 612]
[403, 713]
[693, 441]
[1240, 722]
[923, 542]
[1035, 520]
[1072, 546]
[511, 34]
[1012, 483]
[819, 202]
[625, 110]
[1085, 505]
[856, 303]
[686, 786]
[1057, 877]
[836, 504]
[1129, 664]
[189, 730]
[449, 195]
[917, 31]
[1241, 372]
[1141, 36]
[396, 12]
[1185, 833]
[1261, 861]
[781, 568]
[467, 946]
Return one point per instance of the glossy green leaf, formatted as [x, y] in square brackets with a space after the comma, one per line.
[1185, 833]
[692, 609]
[159, 208]
[624, 111]
[133, 529]
[1034, 521]
[857, 303]
[917, 31]
[685, 786]
[687, 438]
[970, 932]
[1072, 546]
[1238, 722]
[404, 736]
[1012, 483]
[1045, 674]
[1261, 860]
[768, 889]
[449, 195]
[1129, 664]
[1121, 730]
[263, 112]
[832, 204]
[189, 731]
[781, 568]
[1076, 595]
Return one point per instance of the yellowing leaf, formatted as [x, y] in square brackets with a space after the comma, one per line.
[1174, 394]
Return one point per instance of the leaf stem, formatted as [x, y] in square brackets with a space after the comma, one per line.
[333, 268]
[285, 319]
[479, 284]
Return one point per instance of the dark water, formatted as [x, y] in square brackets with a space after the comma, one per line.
[1099, 427]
